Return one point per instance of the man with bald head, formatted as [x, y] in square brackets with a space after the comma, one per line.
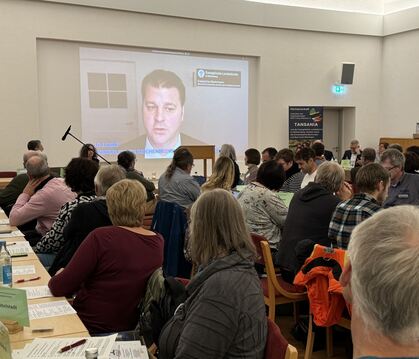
[11, 192]
[41, 198]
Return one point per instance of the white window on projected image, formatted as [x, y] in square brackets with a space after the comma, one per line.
[153, 101]
[107, 90]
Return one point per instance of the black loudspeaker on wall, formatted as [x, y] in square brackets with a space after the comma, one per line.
[347, 77]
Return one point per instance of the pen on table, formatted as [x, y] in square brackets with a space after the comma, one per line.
[19, 255]
[27, 280]
[11, 244]
[42, 330]
[71, 346]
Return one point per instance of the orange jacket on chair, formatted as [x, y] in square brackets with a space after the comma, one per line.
[320, 275]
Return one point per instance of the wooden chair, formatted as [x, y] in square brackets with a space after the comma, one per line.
[148, 219]
[275, 290]
[277, 346]
[343, 322]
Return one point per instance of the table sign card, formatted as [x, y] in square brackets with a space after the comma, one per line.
[14, 305]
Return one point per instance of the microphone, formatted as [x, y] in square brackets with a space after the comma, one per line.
[66, 133]
[69, 133]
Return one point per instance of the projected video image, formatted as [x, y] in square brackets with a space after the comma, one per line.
[152, 102]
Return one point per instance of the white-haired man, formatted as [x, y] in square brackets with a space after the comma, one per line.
[380, 280]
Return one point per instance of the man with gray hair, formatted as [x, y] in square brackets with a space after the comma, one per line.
[380, 280]
[309, 215]
[404, 187]
[87, 216]
[11, 192]
[353, 154]
[41, 198]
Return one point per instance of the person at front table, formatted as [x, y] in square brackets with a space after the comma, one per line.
[176, 185]
[109, 271]
[353, 154]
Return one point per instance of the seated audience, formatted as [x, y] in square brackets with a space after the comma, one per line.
[318, 149]
[176, 185]
[251, 160]
[396, 146]
[411, 164]
[380, 282]
[126, 160]
[109, 271]
[229, 151]
[264, 211]
[404, 187]
[309, 215]
[372, 182]
[268, 154]
[305, 158]
[328, 155]
[381, 148]
[222, 175]
[79, 176]
[414, 149]
[89, 151]
[353, 154]
[224, 315]
[11, 192]
[35, 145]
[87, 216]
[41, 199]
[285, 158]
[368, 156]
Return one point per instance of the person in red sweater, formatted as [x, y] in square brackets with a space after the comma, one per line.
[110, 269]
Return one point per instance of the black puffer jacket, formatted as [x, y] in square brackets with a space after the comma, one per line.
[309, 215]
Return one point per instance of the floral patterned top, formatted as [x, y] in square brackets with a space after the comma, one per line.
[264, 212]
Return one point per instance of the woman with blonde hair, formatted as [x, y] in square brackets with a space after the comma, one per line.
[224, 315]
[110, 269]
[228, 150]
[222, 175]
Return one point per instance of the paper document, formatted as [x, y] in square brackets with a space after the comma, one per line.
[4, 221]
[16, 233]
[129, 350]
[38, 292]
[22, 247]
[17, 354]
[49, 348]
[22, 270]
[50, 309]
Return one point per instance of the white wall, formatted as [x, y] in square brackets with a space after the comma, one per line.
[400, 85]
[293, 67]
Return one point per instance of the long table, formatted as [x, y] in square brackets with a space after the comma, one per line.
[63, 326]
[5, 181]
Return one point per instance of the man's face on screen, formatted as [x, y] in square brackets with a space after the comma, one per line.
[162, 115]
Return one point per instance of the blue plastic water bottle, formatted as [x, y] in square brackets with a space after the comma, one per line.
[5, 266]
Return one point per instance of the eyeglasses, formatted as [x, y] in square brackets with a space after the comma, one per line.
[391, 168]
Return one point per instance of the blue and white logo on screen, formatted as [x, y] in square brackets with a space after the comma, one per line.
[201, 73]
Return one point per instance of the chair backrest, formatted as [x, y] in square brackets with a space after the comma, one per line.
[8, 174]
[276, 345]
[256, 238]
[170, 221]
[148, 219]
[285, 289]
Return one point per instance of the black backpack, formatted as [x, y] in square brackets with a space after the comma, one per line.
[163, 310]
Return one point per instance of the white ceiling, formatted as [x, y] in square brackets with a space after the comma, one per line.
[380, 7]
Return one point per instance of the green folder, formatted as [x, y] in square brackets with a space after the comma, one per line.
[14, 305]
[286, 197]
